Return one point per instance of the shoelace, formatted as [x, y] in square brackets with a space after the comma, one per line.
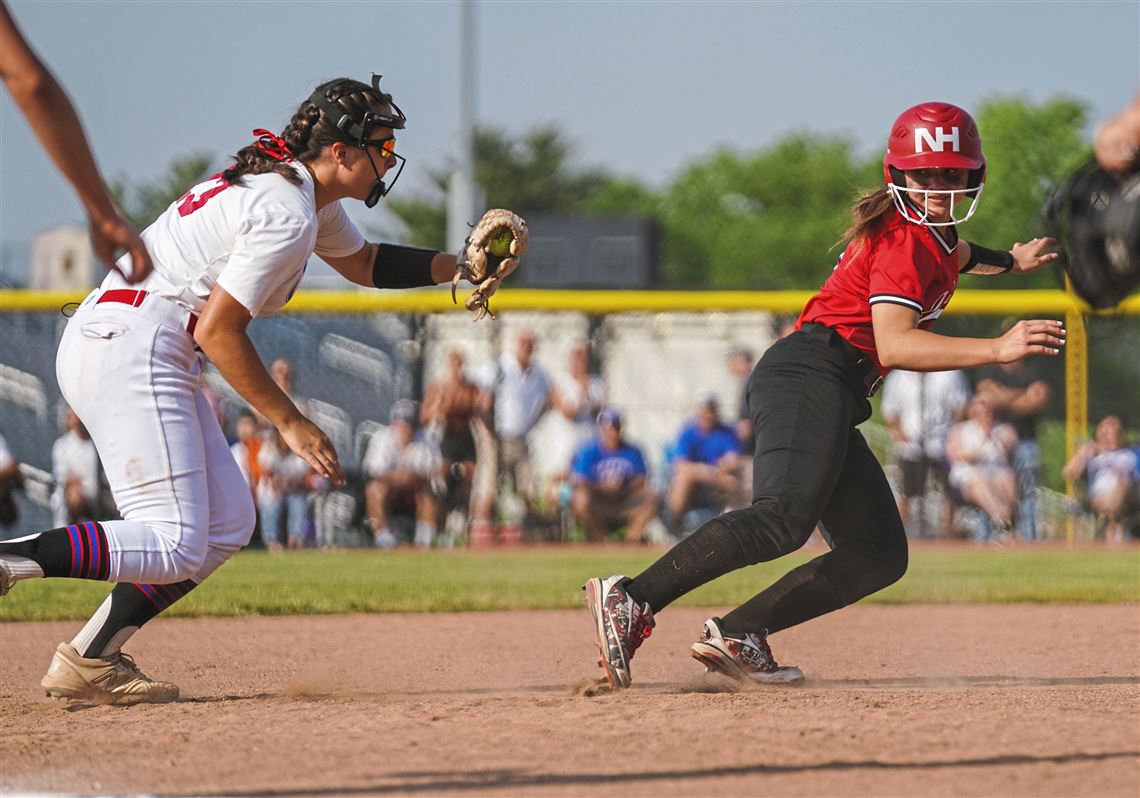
[127, 662]
[761, 644]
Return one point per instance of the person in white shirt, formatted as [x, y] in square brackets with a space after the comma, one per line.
[919, 408]
[577, 396]
[75, 472]
[1110, 470]
[519, 393]
[402, 466]
[980, 453]
[233, 248]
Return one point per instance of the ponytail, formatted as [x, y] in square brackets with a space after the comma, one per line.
[867, 213]
[306, 135]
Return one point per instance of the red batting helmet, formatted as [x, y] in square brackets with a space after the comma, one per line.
[935, 135]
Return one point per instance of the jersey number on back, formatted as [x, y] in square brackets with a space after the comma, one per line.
[198, 196]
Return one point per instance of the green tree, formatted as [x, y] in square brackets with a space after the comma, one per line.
[143, 201]
[768, 220]
[533, 174]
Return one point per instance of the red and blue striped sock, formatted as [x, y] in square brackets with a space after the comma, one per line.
[78, 551]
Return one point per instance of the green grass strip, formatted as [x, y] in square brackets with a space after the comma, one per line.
[311, 582]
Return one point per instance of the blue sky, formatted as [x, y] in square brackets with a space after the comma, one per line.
[642, 88]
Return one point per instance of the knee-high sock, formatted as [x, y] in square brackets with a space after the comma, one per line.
[78, 551]
[125, 610]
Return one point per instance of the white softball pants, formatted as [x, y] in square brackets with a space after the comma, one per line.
[132, 375]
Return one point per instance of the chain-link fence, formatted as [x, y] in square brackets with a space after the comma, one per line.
[656, 367]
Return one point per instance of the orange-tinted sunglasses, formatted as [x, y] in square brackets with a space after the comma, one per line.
[385, 146]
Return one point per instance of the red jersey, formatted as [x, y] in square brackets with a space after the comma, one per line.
[901, 262]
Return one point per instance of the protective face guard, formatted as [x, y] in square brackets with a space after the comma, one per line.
[900, 195]
[358, 134]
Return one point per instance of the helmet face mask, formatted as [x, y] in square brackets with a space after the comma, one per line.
[919, 213]
[934, 135]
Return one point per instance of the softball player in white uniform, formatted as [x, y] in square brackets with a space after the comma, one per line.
[232, 248]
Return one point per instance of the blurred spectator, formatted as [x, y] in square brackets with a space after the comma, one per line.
[783, 326]
[1117, 145]
[918, 409]
[979, 451]
[246, 450]
[451, 406]
[706, 463]
[577, 396]
[11, 480]
[740, 365]
[282, 494]
[282, 372]
[610, 485]
[1109, 471]
[400, 465]
[519, 393]
[77, 474]
[1018, 393]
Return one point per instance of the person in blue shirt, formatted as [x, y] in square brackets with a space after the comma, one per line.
[706, 464]
[610, 485]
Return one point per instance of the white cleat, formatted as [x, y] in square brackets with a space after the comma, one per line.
[745, 659]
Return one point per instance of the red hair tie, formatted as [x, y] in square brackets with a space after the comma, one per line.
[272, 145]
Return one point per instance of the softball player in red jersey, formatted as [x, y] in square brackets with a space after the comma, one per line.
[808, 393]
[232, 248]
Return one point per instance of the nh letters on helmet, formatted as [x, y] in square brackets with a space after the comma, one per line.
[937, 142]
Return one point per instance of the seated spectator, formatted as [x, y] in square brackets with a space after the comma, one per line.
[451, 405]
[706, 465]
[610, 485]
[400, 466]
[77, 473]
[979, 452]
[1109, 470]
[282, 494]
[11, 480]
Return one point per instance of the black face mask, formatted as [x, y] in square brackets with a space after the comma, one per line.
[379, 190]
[358, 133]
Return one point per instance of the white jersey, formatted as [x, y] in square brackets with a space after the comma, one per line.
[253, 239]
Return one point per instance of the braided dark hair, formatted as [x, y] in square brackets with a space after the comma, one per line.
[308, 132]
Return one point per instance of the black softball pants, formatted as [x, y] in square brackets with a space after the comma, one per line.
[806, 396]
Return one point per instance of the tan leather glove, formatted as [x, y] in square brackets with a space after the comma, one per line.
[489, 255]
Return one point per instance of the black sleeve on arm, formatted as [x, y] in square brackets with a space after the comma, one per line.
[987, 257]
[402, 267]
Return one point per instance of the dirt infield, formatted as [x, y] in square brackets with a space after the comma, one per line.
[981, 700]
